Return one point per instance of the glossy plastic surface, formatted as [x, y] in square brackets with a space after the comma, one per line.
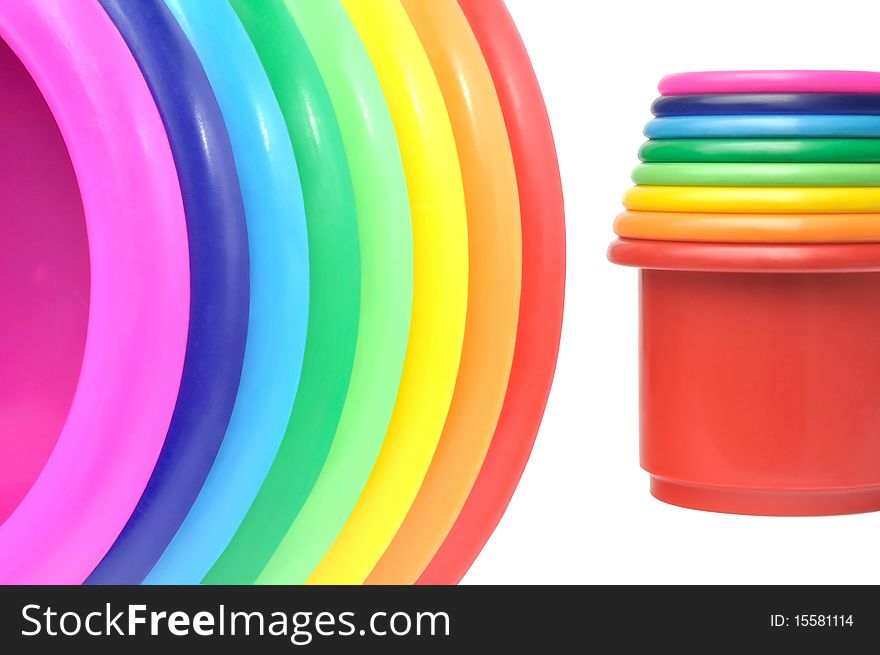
[542, 295]
[44, 281]
[771, 81]
[743, 174]
[762, 150]
[279, 293]
[440, 241]
[751, 402]
[749, 228]
[139, 294]
[219, 280]
[746, 257]
[335, 284]
[737, 200]
[767, 103]
[494, 271]
[385, 229]
[771, 127]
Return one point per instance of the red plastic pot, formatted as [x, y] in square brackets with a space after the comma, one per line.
[760, 375]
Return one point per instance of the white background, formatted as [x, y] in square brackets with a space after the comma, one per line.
[583, 513]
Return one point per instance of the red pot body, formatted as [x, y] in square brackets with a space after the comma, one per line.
[760, 391]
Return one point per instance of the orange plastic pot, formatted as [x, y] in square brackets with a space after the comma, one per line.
[749, 228]
[760, 375]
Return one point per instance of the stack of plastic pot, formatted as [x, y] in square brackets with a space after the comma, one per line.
[755, 224]
[284, 282]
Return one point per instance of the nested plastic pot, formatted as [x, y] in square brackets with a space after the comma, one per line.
[760, 375]
[138, 284]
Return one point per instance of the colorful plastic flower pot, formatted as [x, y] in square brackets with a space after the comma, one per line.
[760, 373]
[139, 296]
